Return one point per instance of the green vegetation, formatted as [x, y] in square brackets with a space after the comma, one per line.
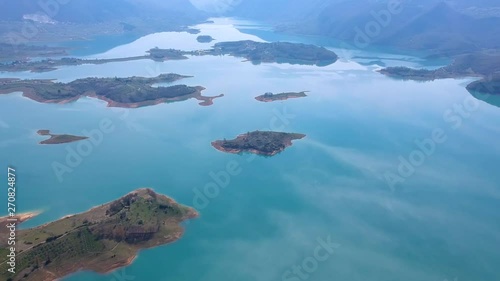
[101, 239]
[269, 97]
[280, 52]
[259, 142]
[118, 92]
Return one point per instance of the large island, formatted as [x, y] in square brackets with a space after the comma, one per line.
[102, 239]
[259, 142]
[276, 52]
[128, 92]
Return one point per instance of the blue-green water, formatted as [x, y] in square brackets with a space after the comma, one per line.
[440, 223]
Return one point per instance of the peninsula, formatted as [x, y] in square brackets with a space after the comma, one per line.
[102, 239]
[489, 85]
[269, 97]
[58, 139]
[258, 142]
[256, 52]
[128, 92]
[483, 65]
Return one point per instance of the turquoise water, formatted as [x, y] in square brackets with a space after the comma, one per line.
[439, 224]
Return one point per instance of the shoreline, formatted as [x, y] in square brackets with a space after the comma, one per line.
[30, 93]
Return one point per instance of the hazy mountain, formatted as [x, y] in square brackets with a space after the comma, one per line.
[429, 25]
[91, 11]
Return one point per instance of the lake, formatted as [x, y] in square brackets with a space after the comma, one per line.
[401, 176]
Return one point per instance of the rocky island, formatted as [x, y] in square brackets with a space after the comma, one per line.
[205, 39]
[128, 92]
[102, 239]
[276, 52]
[269, 97]
[58, 139]
[259, 142]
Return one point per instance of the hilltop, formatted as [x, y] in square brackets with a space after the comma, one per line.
[102, 239]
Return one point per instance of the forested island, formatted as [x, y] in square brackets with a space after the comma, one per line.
[269, 97]
[276, 52]
[102, 239]
[128, 92]
[266, 143]
[58, 139]
[205, 39]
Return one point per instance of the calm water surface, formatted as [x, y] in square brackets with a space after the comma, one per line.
[438, 223]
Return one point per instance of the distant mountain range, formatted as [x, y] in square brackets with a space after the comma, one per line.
[435, 26]
[439, 27]
[92, 11]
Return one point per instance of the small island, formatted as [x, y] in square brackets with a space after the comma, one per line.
[205, 39]
[266, 143]
[269, 97]
[131, 92]
[58, 139]
[102, 239]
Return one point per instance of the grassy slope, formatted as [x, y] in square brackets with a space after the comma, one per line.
[101, 239]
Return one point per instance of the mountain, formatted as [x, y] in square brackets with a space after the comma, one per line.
[434, 26]
[92, 11]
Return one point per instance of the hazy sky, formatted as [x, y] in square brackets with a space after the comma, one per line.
[217, 6]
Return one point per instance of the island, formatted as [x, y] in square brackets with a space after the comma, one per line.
[131, 92]
[269, 97]
[265, 143]
[102, 239]
[205, 39]
[276, 52]
[58, 139]
[158, 54]
[47, 65]
[256, 52]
